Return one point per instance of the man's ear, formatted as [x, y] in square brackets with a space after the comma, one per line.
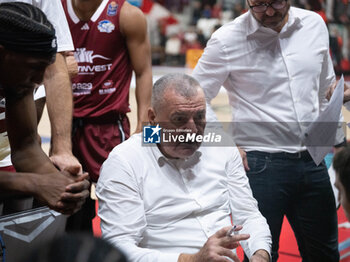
[151, 115]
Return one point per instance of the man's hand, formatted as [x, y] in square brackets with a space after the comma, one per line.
[72, 64]
[61, 191]
[260, 256]
[67, 162]
[330, 91]
[218, 248]
[74, 196]
[244, 159]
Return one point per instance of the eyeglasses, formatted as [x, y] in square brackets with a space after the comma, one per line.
[277, 5]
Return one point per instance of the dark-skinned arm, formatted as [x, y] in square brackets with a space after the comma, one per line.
[37, 176]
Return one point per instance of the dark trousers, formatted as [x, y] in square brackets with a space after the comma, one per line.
[81, 221]
[292, 185]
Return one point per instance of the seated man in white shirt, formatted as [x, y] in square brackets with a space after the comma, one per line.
[173, 201]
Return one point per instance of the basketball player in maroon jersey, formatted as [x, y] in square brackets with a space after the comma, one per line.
[110, 37]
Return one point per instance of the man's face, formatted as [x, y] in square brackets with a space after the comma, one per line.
[18, 69]
[271, 18]
[184, 115]
[342, 196]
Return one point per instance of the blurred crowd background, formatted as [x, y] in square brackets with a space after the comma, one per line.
[179, 29]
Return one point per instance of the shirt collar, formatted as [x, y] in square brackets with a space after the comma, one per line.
[161, 159]
[254, 26]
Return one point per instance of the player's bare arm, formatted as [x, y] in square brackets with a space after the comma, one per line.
[133, 26]
[57, 84]
[27, 156]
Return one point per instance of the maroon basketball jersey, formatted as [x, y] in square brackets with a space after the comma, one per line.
[104, 67]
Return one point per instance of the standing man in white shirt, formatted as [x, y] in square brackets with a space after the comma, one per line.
[274, 63]
[173, 201]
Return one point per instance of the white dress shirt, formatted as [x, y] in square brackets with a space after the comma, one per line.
[155, 208]
[276, 82]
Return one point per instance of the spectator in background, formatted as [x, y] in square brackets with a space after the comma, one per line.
[206, 12]
[208, 2]
[27, 47]
[341, 11]
[197, 12]
[172, 50]
[238, 9]
[191, 40]
[201, 38]
[216, 11]
[111, 42]
[341, 165]
[335, 45]
[174, 5]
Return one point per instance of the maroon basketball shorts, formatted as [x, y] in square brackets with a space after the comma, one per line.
[94, 138]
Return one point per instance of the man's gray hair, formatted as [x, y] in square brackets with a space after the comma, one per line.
[182, 84]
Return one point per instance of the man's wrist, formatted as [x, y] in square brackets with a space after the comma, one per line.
[186, 258]
[263, 254]
[61, 146]
[30, 183]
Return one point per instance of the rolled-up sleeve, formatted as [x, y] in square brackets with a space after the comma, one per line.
[244, 208]
[121, 210]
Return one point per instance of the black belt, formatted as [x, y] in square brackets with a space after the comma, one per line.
[110, 118]
[283, 155]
